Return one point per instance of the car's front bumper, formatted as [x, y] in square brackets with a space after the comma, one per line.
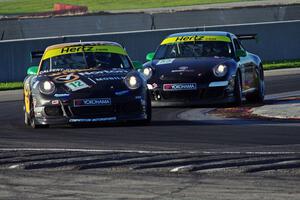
[220, 92]
[122, 109]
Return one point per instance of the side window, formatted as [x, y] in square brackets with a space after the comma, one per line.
[45, 65]
[236, 44]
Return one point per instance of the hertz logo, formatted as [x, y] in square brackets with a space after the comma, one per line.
[76, 49]
[189, 38]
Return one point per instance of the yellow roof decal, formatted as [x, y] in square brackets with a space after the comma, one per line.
[81, 48]
[193, 38]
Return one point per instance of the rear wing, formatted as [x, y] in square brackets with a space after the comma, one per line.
[247, 36]
[36, 55]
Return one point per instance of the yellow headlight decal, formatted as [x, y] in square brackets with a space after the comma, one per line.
[195, 38]
[79, 49]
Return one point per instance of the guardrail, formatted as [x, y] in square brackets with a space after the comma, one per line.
[277, 41]
[21, 28]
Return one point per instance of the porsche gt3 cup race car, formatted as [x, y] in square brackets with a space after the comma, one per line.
[85, 82]
[203, 68]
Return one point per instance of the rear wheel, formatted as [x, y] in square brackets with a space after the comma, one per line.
[259, 94]
[238, 90]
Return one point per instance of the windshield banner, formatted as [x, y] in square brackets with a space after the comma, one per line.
[195, 38]
[79, 49]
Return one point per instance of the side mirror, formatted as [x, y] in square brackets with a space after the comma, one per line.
[33, 70]
[240, 53]
[137, 65]
[150, 56]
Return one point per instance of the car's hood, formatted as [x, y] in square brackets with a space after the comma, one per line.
[94, 79]
[185, 68]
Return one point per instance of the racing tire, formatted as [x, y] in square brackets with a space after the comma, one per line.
[37, 126]
[238, 95]
[148, 112]
[26, 119]
[148, 109]
[32, 121]
[259, 95]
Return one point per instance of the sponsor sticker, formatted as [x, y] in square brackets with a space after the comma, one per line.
[165, 61]
[179, 86]
[83, 48]
[104, 72]
[92, 102]
[195, 38]
[61, 95]
[94, 119]
[77, 85]
[119, 93]
[110, 78]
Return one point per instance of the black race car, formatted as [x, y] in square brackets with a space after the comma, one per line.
[85, 82]
[203, 68]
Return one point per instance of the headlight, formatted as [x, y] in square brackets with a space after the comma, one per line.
[47, 87]
[220, 70]
[133, 82]
[147, 71]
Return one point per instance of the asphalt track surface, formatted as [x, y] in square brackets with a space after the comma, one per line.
[166, 133]
[169, 159]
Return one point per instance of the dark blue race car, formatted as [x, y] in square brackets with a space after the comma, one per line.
[203, 68]
[85, 82]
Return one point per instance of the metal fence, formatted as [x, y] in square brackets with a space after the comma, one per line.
[277, 41]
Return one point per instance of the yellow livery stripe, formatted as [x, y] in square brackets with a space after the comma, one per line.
[193, 38]
[79, 49]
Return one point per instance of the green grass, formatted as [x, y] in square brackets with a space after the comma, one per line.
[33, 6]
[281, 64]
[11, 86]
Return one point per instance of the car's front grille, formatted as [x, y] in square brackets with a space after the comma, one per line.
[53, 111]
[130, 107]
[181, 95]
[93, 111]
[214, 92]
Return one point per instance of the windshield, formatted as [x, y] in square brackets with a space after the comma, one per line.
[85, 60]
[194, 49]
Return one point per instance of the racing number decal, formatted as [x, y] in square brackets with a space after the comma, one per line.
[77, 85]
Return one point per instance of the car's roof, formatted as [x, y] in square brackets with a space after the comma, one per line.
[201, 33]
[56, 46]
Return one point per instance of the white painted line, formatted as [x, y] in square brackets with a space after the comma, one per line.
[150, 151]
[13, 166]
[283, 95]
[92, 150]
[177, 169]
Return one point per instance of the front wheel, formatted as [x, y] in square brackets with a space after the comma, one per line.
[30, 120]
[35, 126]
[148, 111]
